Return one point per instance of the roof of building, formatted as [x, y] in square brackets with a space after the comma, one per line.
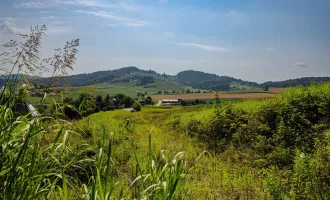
[171, 100]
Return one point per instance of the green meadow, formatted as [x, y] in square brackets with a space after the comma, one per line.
[275, 148]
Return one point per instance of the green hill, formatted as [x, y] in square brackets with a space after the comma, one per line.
[197, 79]
[134, 76]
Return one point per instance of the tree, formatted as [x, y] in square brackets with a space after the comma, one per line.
[99, 103]
[217, 99]
[148, 100]
[107, 101]
[127, 101]
[183, 103]
[188, 91]
[159, 92]
[265, 88]
[85, 104]
[145, 80]
[119, 97]
[136, 106]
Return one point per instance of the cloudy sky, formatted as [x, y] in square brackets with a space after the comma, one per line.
[255, 40]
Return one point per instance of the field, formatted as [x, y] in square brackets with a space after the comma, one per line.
[277, 90]
[212, 95]
[274, 148]
[128, 89]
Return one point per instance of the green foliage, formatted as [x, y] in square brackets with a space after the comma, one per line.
[127, 101]
[265, 88]
[85, 104]
[144, 80]
[208, 81]
[148, 101]
[306, 81]
[136, 106]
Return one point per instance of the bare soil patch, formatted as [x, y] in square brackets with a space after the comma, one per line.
[276, 90]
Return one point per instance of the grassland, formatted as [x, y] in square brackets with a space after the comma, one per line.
[128, 89]
[274, 148]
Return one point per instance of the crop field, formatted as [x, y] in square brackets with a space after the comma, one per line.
[211, 95]
[276, 90]
[128, 89]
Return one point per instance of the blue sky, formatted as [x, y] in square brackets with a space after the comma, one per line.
[255, 40]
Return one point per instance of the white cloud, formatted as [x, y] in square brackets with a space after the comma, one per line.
[109, 15]
[134, 24]
[163, 2]
[9, 28]
[111, 25]
[207, 47]
[270, 49]
[299, 64]
[57, 30]
[86, 3]
[126, 24]
[237, 16]
[45, 11]
[57, 22]
[235, 13]
[31, 4]
[50, 17]
[103, 14]
[10, 19]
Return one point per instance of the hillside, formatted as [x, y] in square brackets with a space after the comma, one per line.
[134, 76]
[148, 79]
[275, 148]
[305, 81]
[197, 79]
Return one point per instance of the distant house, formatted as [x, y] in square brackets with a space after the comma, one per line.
[171, 102]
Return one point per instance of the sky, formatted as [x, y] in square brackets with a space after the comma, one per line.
[254, 40]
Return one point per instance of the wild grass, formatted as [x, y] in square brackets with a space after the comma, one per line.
[276, 148]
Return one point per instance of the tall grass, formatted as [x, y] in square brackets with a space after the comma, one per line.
[40, 157]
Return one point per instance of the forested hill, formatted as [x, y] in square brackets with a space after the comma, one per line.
[195, 79]
[110, 76]
[306, 81]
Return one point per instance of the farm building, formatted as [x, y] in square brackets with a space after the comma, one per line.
[171, 102]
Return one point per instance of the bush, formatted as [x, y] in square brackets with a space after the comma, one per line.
[111, 108]
[136, 106]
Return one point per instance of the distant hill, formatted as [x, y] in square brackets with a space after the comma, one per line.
[295, 82]
[125, 74]
[195, 79]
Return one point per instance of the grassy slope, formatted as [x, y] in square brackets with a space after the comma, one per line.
[230, 175]
[127, 89]
[208, 174]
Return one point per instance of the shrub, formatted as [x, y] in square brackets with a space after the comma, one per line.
[111, 108]
[136, 106]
